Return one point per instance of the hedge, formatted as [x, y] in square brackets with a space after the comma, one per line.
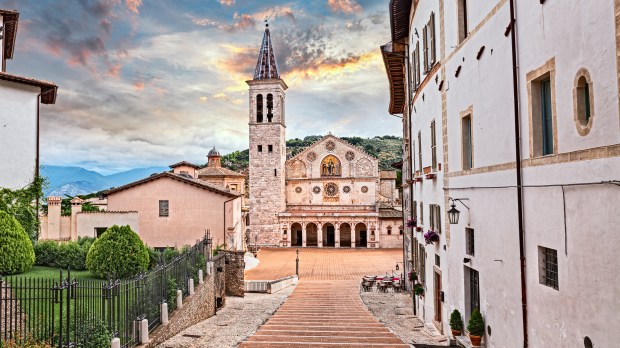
[64, 254]
[119, 252]
[16, 252]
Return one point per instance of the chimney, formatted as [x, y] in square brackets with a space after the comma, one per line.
[53, 217]
[76, 207]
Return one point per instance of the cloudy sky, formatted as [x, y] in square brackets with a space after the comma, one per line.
[153, 82]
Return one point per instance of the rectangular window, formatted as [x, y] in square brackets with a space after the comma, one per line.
[270, 148]
[547, 117]
[433, 147]
[422, 269]
[260, 148]
[435, 217]
[431, 28]
[469, 246]
[462, 18]
[233, 187]
[425, 47]
[474, 290]
[466, 143]
[548, 265]
[420, 151]
[163, 208]
[417, 64]
[275, 172]
[421, 213]
[99, 231]
[415, 210]
[437, 260]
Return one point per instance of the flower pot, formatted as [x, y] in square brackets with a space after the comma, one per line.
[475, 340]
[456, 332]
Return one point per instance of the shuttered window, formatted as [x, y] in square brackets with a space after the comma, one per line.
[431, 26]
[425, 45]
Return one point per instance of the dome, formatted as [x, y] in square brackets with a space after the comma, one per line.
[213, 152]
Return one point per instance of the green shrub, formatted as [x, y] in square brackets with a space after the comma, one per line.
[16, 251]
[172, 294]
[475, 326]
[169, 254]
[456, 321]
[418, 290]
[154, 258]
[119, 252]
[63, 255]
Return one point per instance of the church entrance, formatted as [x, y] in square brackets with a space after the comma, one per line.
[329, 235]
[345, 235]
[361, 235]
[312, 236]
[296, 235]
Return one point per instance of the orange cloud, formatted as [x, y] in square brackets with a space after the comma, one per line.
[133, 5]
[227, 2]
[139, 85]
[344, 6]
[328, 70]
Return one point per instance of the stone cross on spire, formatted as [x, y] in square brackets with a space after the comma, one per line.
[266, 67]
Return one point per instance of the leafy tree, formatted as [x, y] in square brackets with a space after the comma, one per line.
[118, 252]
[16, 252]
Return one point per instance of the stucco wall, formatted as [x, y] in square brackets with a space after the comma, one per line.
[18, 134]
[87, 222]
[187, 169]
[192, 211]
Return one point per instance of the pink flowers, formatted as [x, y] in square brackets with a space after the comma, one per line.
[431, 237]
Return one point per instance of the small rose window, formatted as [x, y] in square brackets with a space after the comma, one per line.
[316, 190]
[331, 189]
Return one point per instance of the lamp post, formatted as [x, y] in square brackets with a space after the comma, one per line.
[297, 264]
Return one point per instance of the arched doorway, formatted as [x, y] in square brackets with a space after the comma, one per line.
[345, 235]
[329, 235]
[296, 235]
[361, 235]
[312, 237]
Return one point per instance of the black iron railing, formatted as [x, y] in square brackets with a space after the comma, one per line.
[70, 312]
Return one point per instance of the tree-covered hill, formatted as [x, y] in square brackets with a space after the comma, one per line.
[388, 149]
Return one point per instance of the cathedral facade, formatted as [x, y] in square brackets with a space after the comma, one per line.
[331, 194]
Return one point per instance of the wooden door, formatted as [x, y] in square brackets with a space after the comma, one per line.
[437, 297]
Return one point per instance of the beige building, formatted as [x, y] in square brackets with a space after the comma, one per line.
[175, 209]
[331, 194]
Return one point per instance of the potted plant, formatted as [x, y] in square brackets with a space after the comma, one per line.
[431, 237]
[418, 228]
[475, 327]
[413, 276]
[411, 223]
[456, 323]
[418, 289]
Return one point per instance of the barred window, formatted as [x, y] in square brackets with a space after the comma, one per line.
[548, 263]
[469, 247]
[163, 208]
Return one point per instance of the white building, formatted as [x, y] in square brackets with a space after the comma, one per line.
[454, 72]
[19, 113]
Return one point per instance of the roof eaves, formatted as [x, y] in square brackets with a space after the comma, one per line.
[48, 89]
[11, 19]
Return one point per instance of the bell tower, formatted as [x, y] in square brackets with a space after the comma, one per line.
[267, 147]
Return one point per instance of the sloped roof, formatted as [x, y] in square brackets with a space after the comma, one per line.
[11, 18]
[267, 66]
[185, 180]
[390, 213]
[184, 163]
[48, 89]
[387, 174]
[218, 172]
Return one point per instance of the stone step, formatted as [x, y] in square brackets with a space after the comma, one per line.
[318, 345]
[321, 333]
[321, 339]
[377, 328]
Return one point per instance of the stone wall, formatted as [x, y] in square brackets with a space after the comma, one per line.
[219, 274]
[235, 265]
[196, 308]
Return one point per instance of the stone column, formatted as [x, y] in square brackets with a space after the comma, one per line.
[303, 235]
[319, 235]
[337, 236]
[352, 235]
[288, 241]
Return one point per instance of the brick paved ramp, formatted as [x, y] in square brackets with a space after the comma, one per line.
[323, 314]
[324, 263]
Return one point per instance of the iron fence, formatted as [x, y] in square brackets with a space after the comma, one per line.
[70, 312]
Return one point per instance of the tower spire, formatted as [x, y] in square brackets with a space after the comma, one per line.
[266, 67]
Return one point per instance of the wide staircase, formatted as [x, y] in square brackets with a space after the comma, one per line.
[323, 314]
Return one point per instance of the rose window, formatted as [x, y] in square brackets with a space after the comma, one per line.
[311, 156]
[331, 189]
[364, 189]
[346, 189]
[350, 156]
[330, 145]
[298, 189]
[316, 189]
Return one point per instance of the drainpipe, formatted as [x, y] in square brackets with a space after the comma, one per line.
[515, 87]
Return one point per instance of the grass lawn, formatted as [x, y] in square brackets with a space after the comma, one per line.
[53, 273]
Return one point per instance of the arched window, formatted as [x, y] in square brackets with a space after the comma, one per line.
[269, 107]
[330, 166]
[583, 102]
[259, 108]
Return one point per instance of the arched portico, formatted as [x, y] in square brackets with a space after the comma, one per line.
[312, 237]
[329, 235]
[345, 235]
[361, 235]
[296, 234]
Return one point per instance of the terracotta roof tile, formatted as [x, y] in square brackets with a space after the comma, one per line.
[218, 171]
[195, 182]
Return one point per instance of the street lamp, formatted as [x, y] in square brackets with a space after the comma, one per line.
[453, 213]
[397, 267]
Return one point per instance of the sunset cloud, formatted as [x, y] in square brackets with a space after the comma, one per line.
[133, 5]
[344, 6]
[227, 2]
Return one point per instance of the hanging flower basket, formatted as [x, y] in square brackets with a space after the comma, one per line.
[411, 223]
[413, 276]
[431, 237]
[418, 228]
[418, 289]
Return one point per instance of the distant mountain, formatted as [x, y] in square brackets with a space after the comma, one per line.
[71, 181]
